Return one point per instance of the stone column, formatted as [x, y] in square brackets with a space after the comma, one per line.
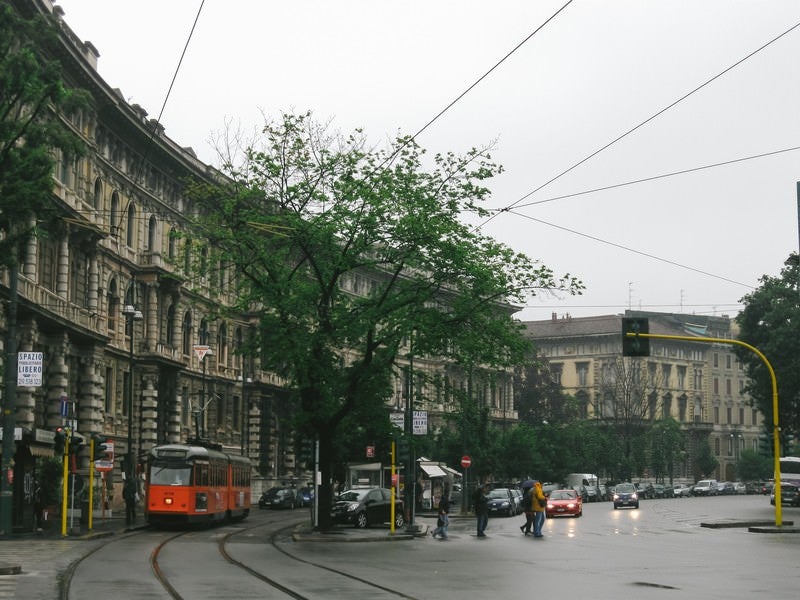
[62, 276]
[148, 414]
[57, 379]
[151, 318]
[91, 398]
[31, 259]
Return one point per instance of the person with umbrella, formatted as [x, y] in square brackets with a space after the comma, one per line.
[527, 506]
[538, 504]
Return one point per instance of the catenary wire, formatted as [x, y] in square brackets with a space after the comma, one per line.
[633, 250]
[148, 145]
[652, 117]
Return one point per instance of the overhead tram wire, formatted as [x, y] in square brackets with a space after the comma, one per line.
[397, 151]
[632, 250]
[149, 144]
[655, 177]
[652, 117]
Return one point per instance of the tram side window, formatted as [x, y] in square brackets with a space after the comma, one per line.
[202, 474]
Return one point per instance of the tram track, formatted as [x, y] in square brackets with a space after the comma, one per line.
[287, 576]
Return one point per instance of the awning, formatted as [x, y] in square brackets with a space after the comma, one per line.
[452, 472]
[433, 471]
[41, 450]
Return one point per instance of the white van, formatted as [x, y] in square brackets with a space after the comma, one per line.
[585, 484]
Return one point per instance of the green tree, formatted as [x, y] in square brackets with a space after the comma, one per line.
[754, 467]
[770, 321]
[352, 258]
[33, 101]
[705, 463]
[666, 443]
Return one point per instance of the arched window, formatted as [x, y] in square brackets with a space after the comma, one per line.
[131, 225]
[97, 200]
[186, 333]
[222, 345]
[114, 218]
[112, 304]
[152, 227]
[202, 334]
[173, 240]
[237, 350]
[169, 337]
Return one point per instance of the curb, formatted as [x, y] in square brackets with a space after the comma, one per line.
[8, 569]
[754, 526]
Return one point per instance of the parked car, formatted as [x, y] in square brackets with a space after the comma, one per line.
[645, 490]
[625, 494]
[306, 496]
[564, 503]
[705, 487]
[517, 495]
[740, 488]
[279, 497]
[681, 491]
[362, 507]
[766, 487]
[725, 488]
[660, 490]
[501, 502]
[592, 493]
[790, 495]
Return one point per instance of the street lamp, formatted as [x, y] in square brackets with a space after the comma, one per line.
[201, 417]
[736, 439]
[132, 314]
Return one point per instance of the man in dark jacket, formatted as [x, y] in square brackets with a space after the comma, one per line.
[481, 505]
[129, 495]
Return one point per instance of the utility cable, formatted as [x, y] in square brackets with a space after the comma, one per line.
[657, 114]
[634, 251]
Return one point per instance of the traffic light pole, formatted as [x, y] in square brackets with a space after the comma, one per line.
[776, 440]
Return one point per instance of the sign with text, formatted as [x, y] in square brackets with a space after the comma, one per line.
[398, 420]
[420, 422]
[29, 369]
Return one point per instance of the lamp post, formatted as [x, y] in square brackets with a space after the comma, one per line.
[132, 314]
[736, 440]
[202, 352]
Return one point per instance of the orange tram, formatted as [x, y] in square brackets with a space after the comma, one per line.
[196, 485]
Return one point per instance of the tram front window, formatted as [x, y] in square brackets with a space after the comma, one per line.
[170, 476]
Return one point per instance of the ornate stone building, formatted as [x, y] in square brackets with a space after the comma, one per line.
[131, 352]
[700, 385]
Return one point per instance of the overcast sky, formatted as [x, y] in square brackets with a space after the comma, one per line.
[694, 242]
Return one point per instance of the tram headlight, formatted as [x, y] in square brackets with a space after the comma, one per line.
[167, 501]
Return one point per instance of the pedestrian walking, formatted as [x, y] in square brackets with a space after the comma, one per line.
[539, 501]
[443, 518]
[527, 506]
[129, 494]
[481, 505]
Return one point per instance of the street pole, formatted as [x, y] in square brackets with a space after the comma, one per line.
[131, 315]
[9, 401]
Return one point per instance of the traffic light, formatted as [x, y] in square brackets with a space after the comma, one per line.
[402, 451]
[103, 449]
[60, 441]
[306, 452]
[635, 345]
[765, 445]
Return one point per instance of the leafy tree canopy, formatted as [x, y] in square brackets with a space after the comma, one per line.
[32, 97]
[770, 321]
[350, 258]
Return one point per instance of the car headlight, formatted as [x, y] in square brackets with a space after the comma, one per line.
[634, 495]
[351, 507]
[616, 496]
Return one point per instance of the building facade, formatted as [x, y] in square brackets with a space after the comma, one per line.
[700, 385]
[131, 351]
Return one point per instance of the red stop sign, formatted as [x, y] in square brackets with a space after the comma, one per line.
[466, 461]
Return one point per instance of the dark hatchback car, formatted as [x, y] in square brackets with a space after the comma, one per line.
[362, 507]
[790, 495]
[279, 497]
[501, 502]
[625, 494]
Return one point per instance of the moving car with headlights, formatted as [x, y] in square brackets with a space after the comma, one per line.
[564, 503]
[625, 494]
[362, 507]
[501, 502]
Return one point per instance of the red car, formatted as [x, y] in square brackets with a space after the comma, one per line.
[564, 503]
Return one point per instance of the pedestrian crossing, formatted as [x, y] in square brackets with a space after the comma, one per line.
[8, 586]
[40, 561]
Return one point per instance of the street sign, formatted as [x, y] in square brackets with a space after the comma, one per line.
[201, 351]
[103, 466]
[397, 419]
[466, 462]
[420, 422]
[29, 369]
